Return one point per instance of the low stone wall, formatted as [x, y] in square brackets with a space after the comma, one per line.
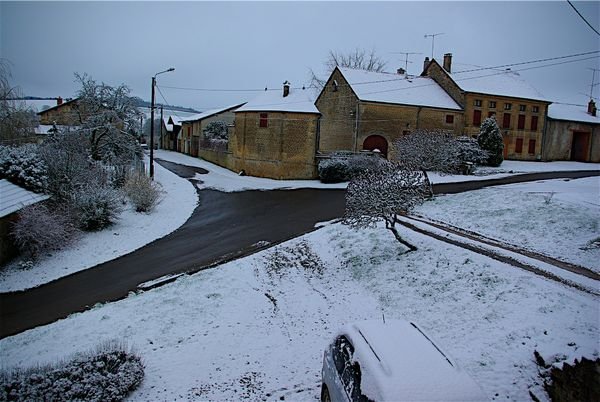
[223, 159]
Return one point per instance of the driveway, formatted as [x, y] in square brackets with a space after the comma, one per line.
[223, 226]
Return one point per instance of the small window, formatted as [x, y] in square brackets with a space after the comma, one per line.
[534, 123]
[264, 120]
[535, 109]
[519, 146]
[477, 117]
[521, 122]
[449, 118]
[189, 131]
[507, 106]
[492, 104]
[522, 108]
[478, 102]
[531, 149]
[506, 120]
[335, 86]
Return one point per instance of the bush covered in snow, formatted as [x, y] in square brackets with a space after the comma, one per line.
[108, 374]
[345, 166]
[490, 139]
[143, 192]
[217, 130]
[97, 206]
[40, 229]
[23, 166]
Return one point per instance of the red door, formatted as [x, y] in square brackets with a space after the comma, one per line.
[579, 148]
[374, 142]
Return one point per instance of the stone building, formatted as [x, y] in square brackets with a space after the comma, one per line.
[171, 126]
[63, 114]
[363, 110]
[518, 107]
[572, 133]
[190, 137]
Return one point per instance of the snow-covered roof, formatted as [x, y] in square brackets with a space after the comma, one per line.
[571, 113]
[298, 101]
[398, 89]
[66, 102]
[497, 82]
[176, 121]
[16, 197]
[210, 113]
[399, 362]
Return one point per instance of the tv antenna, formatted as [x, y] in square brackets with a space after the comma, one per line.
[406, 54]
[593, 82]
[432, 36]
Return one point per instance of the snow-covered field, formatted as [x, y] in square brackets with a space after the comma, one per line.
[256, 328]
[132, 231]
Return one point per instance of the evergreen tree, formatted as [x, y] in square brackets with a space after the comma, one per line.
[490, 140]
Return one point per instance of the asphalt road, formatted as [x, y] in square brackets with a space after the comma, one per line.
[223, 226]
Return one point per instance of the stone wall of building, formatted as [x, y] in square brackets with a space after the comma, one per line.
[558, 140]
[439, 75]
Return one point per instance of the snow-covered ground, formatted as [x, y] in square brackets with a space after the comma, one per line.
[132, 231]
[256, 328]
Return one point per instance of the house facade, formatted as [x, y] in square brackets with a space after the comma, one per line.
[171, 126]
[366, 111]
[519, 109]
[572, 133]
[63, 114]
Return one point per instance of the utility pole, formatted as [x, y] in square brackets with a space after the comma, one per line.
[152, 122]
[161, 125]
[432, 36]
[406, 54]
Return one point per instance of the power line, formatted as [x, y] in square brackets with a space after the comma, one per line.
[583, 18]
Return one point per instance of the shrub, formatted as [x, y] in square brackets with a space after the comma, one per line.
[108, 374]
[144, 193]
[40, 229]
[490, 139]
[97, 206]
[24, 166]
[345, 166]
[334, 170]
[217, 130]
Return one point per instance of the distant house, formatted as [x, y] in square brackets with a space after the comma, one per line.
[518, 107]
[366, 111]
[572, 133]
[13, 199]
[171, 126]
[275, 135]
[63, 114]
[192, 127]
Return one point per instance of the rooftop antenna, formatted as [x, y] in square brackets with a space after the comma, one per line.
[406, 54]
[432, 36]
[383, 315]
[593, 81]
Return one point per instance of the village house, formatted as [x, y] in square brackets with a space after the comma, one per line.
[572, 133]
[366, 111]
[63, 114]
[190, 137]
[171, 126]
[518, 107]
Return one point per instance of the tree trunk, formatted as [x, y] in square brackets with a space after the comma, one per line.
[391, 225]
[429, 186]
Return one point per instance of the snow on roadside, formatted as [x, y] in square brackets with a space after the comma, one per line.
[559, 218]
[132, 231]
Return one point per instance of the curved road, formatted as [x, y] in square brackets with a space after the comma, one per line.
[223, 226]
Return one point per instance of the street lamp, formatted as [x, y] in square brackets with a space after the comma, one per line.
[152, 122]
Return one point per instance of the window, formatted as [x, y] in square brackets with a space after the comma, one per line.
[450, 118]
[264, 120]
[535, 109]
[477, 117]
[531, 149]
[492, 114]
[492, 104]
[189, 131]
[478, 102]
[507, 106]
[506, 120]
[534, 123]
[522, 108]
[521, 122]
[519, 146]
[335, 86]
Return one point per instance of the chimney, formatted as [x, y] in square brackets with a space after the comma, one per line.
[401, 71]
[425, 63]
[286, 89]
[448, 62]
[592, 107]
[59, 101]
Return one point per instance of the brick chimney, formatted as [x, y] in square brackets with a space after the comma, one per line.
[592, 107]
[448, 62]
[59, 101]
[286, 89]
[425, 63]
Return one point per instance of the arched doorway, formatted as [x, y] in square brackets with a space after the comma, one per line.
[378, 142]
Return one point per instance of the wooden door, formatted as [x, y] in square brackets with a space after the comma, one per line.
[579, 147]
[374, 142]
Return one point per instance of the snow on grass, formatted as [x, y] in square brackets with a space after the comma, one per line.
[559, 218]
[132, 231]
[256, 328]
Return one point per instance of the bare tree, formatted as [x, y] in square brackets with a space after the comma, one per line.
[360, 59]
[16, 119]
[382, 194]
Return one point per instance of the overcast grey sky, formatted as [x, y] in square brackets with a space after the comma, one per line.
[256, 44]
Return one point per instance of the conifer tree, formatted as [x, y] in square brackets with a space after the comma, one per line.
[490, 140]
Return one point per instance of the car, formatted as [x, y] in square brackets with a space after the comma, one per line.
[391, 360]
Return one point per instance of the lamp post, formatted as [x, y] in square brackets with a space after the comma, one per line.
[152, 122]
